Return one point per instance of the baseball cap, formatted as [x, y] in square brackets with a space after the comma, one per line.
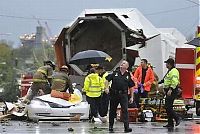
[170, 61]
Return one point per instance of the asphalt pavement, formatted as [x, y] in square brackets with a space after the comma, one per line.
[66, 127]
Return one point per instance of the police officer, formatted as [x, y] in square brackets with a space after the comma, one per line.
[171, 82]
[61, 81]
[41, 81]
[121, 81]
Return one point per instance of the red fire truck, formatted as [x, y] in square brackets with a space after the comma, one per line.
[188, 64]
[26, 80]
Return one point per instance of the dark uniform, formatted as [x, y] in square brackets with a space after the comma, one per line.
[119, 94]
[171, 82]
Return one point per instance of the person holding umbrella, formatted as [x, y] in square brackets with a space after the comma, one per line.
[93, 87]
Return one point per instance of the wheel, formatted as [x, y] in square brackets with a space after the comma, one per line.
[35, 120]
[198, 108]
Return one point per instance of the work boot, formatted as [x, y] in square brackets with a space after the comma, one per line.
[111, 129]
[169, 126]
[178, 121]
[92, 120]
[127, 130]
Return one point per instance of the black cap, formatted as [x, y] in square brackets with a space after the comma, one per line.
[170, 61]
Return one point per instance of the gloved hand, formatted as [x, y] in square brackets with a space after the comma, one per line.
[136, 91]
[140, 85]
[142, 89]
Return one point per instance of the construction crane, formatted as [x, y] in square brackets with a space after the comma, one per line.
[49, 30]
[43, 48]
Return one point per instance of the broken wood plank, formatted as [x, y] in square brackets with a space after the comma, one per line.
[4, 116]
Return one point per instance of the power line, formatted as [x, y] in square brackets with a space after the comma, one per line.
[32, 18]
[193, 2]
[172, 10]
[189, 29]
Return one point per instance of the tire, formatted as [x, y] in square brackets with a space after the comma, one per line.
[35, 120]
[198, 108]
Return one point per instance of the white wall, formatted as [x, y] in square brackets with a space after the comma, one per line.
[153, 53]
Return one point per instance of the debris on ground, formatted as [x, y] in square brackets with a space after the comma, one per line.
[55, 124]
[70, 129]
[3, 117]
[5, 122]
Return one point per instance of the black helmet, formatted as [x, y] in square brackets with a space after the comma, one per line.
[50, 63]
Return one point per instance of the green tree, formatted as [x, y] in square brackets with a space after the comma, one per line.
[7, 79]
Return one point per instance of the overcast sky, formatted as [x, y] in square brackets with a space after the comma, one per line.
[17, 16]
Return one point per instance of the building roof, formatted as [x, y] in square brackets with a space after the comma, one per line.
[173, 37]
[131, 17]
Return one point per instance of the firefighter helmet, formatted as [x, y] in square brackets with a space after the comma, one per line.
[50, 63]
[64, 68]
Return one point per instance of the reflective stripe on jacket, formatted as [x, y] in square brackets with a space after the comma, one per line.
[43, 71]
[93, 85]
[43, 74]
[39, 80]
[149, 78]
[172, 79]
[60, 81]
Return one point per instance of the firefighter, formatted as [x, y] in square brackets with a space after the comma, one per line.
[121, 81]
[171, 82]
[145, 77]
[41, 81]
[61, 81]
[93, 87]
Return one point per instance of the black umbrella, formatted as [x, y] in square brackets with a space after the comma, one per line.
[194, 42]
[89, 57]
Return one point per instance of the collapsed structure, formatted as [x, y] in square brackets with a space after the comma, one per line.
[122, 33]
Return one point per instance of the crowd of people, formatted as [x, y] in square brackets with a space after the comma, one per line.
[106, 91]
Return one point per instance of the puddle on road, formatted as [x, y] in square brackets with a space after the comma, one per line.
[98, 130]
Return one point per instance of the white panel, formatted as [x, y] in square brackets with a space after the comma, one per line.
[185, 66]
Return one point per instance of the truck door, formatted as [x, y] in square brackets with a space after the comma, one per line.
[185, 63]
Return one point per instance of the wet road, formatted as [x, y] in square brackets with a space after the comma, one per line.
[19, 127]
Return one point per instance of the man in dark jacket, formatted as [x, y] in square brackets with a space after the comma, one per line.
[171, 82]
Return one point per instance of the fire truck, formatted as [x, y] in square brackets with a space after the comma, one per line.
[26, 80]
[188, 64]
